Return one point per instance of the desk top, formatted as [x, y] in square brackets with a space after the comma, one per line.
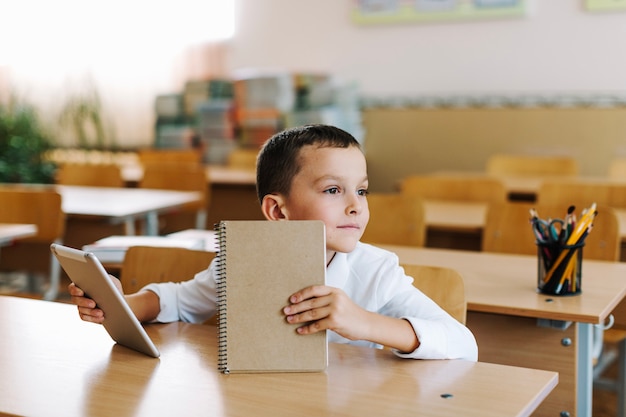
[121, 202]
[54, 364]
[471, 217]
[507, 284]
[530, 184]
[216, 174]
[455, 216]
[12, 231]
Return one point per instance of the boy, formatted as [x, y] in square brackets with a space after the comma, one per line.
[318, 172]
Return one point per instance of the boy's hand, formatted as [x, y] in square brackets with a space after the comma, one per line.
[87, 308]
[324, 307]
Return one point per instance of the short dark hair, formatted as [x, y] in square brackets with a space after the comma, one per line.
[278, 162]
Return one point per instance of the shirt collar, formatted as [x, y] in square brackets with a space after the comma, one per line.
[338, 270]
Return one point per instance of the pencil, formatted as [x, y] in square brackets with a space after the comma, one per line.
[577, 236]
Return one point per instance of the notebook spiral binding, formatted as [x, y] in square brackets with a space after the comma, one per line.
[222, 355]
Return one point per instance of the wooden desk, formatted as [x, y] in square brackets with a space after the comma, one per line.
[454, 225]
[54, 364]
[522, 188]
[233, 192]
[503, 308]
[451, 219]
[526, 187]
[220, 174]
[10, 232]
[123, 205]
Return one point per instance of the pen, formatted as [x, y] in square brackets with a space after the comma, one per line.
[575, 238]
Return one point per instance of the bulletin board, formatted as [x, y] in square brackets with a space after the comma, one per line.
[605, 5]
[399, 11]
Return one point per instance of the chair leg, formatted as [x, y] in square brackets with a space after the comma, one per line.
[201, 219]
[55, 278]
[617, 385]
[621, 379]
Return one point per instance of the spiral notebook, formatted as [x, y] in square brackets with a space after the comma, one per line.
[260, 264]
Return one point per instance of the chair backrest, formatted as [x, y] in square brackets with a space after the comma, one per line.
[185, 156]
[34, 205]
[42, 206]
[147, 264]
[503, 164]
[98, 175]
[243, 158]
[444, 286]
[174, 176]
[395, 219]
[508, 230]
[581, 193]
[181, 177]
[441, 187]
[617, 168]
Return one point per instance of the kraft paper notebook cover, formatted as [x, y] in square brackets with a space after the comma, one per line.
[260, 264]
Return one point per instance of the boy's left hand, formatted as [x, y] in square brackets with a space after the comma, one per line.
[324, 307]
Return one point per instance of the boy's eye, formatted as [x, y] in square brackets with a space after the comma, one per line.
[363, 192]
[333, 190]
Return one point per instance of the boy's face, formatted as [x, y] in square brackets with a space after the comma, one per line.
[331, 186]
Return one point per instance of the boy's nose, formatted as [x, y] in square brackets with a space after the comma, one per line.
[354, 204]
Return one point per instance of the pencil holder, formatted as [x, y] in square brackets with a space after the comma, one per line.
[559, 268]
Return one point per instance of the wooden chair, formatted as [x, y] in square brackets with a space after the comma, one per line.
[184, 156]
[582, 193]
[98, 175]
[182, 177]
[444, 286]
[243, 158]
[503, 164]
[147, 264]
[617, 168]
[39, 205]
[81, 231]
[395, 219]
[441, 187]
[508, 230]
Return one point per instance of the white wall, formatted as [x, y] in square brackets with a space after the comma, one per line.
[558, 48]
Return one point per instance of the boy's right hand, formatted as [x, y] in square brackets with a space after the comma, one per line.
[87, 308]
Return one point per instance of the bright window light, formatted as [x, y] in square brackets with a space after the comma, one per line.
[129, 51]
[78, 31]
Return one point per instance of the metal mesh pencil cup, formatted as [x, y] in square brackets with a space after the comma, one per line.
[559, 268]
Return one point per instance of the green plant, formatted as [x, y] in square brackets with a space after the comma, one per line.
[82, 115]
[23, 144]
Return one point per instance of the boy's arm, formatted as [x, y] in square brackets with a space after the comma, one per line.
[392, 332]
[330, 308]
[144, 304]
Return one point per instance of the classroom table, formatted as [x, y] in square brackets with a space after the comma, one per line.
[123, 205]
[221, 174]
[526, 187]
[516, 325]
[518, 187]
[469, 218]
[233, 194]
[54, 364]
[10, 232]
[232, 191]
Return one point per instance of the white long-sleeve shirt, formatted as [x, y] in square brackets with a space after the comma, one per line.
[371, 277]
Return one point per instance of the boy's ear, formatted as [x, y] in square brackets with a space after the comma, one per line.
[272, 207]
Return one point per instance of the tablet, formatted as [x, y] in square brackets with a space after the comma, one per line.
[86, 271]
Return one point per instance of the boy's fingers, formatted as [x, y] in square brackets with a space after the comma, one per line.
[92, 315]
[310, 292]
